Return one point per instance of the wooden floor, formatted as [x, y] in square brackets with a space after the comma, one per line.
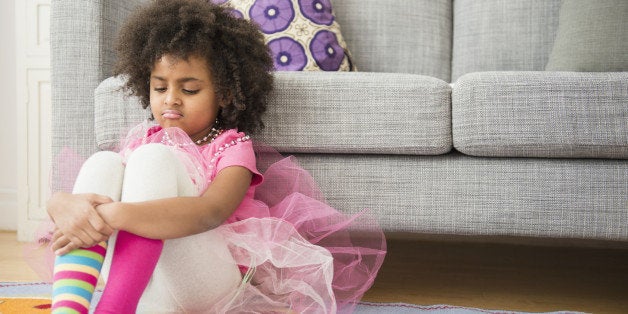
[488, 276]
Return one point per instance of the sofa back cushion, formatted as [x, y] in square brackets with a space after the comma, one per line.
[591, 37]
[503, 35]
[400, 36]
[323, 112]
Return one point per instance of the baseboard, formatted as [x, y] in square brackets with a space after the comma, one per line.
[8, 209]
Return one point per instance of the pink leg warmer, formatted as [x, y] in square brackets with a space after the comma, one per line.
[133, 263]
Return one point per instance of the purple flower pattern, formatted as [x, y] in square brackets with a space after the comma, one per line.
[288, 54]
[318, 11]
[272, 15]
[326, 51]
[309, 40]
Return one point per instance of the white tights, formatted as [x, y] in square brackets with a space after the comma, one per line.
[189, 276]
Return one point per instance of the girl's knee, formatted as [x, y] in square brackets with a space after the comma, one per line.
[155, 169]
[101, 173]
[151, 173]
[105, 160]
[103, 163]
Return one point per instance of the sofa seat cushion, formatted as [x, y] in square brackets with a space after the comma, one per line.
[541, 114]
[324, 112]
[455, 194]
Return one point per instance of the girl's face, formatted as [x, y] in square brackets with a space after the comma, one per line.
[182, 95]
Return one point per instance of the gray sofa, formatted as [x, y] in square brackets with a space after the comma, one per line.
[451, 127]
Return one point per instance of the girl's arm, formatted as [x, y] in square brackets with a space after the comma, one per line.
[182, 216]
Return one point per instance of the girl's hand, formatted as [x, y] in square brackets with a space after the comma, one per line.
[77, 220]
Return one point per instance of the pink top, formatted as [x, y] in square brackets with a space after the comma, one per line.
[231, 148]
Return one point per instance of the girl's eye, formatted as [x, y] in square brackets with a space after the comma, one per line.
[189, 91]
[159, 89]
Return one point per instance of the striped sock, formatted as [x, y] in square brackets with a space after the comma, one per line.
[75, 278]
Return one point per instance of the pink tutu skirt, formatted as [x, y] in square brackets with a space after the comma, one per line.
[306, 255]
[296, 252]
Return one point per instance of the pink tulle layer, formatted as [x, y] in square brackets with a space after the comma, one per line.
[310, 257]
[297, 252]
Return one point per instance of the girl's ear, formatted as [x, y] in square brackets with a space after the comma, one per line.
[226, 100]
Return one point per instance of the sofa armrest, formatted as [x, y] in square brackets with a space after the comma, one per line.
[325, 112]
[82, 54]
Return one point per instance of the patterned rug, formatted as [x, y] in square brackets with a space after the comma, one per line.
[34, 297]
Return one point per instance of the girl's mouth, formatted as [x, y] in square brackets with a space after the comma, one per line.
[171, 114]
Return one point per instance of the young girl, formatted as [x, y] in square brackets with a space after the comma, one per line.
[196, 229]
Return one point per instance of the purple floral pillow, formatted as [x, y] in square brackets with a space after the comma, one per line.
[303, 35]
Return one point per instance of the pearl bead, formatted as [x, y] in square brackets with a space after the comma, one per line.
[222, 148]
[166, 140]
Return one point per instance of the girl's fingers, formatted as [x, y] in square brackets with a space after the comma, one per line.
[92, 234]
[100, 226]
[66, 249]
[56, 235]
[89, 238]
[97, 199]
[81, 239]
[59, 243]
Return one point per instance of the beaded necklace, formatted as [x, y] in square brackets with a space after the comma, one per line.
[211, 136]
[223, 147]
[167, 140]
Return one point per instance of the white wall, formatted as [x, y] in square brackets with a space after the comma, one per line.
[8, 117]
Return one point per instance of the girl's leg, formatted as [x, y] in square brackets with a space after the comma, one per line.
[152, 172]
[194, 273]
[76, 273]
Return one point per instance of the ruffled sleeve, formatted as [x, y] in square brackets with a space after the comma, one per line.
[234, 148]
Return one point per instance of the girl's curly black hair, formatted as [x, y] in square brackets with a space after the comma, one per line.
[239, 61]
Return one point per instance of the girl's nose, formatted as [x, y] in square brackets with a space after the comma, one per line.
[172, 98]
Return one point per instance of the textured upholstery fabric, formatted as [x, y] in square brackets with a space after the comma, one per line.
[81, 56]
[407, 37]
[592, 37]
[380, 113]
[462, 195]
[115, 113]
[541, 114]
[366, 136]
[326, 113]
[500, 35]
